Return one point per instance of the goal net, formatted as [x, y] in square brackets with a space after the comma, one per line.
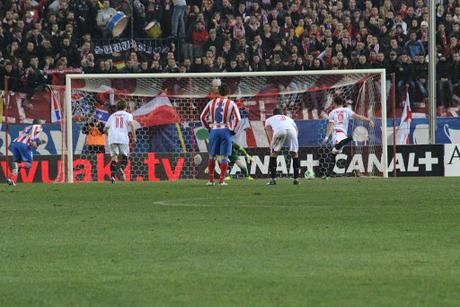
[172, 145]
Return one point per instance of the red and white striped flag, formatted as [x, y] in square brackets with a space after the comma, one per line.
[402, 134]
[158, 111]
[56, 110]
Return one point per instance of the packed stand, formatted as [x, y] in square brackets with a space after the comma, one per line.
[41, 39]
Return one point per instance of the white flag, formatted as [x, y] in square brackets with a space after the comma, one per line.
[403, 131]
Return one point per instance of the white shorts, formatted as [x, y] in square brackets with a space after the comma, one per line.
[337, 137]
[286, 137]
[119, 150]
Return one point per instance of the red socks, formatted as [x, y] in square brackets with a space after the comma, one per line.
[223, 171]
[211, 167]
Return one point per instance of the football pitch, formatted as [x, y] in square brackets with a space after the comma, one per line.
[345, 242]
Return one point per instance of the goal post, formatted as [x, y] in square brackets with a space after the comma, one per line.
[67, 133]
[304, 95]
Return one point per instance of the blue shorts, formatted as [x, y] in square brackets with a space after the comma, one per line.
[220, 142]
[21, 152]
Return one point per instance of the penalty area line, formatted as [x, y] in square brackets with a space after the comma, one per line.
[178, 203]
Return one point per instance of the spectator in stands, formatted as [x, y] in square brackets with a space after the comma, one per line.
[124, 6]
[3, 39]
[380, 61]
[172, 66]
[362, 63]
[197, 65]
[257, 64]
[421, 76]
[101, 67]
[8, 70]
[69, 51]
[110, 67]
[395, 47]
[28, 53]
[84, 11]
[103, 17]
[220, 65]
[88, 64]
[131, 67]
[200, 37]
[58, 5]
[233, 66]
[144, 67]
[456, 69]
[45, 50]
[441, 37]
[48, 63]
[177, 20]
[456, 17]
[444, 86]
[35, 78]
[214, 40]
[155, 67]
[404, 75]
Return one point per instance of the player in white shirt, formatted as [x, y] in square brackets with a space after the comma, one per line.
[338, 128]
[117, 128]
[282, 130]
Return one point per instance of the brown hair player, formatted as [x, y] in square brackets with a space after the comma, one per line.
[117, 128]
[220, 117]
[338, 127]
[23, 146]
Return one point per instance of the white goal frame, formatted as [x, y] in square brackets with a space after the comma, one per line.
[70, 77]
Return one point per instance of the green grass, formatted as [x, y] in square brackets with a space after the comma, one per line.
[356, 242]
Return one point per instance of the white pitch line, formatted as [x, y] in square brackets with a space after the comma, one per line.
[180, 204]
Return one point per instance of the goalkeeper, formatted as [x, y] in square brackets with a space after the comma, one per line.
[237, 151]
[234, 158]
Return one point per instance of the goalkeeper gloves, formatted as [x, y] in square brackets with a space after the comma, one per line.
[250, 158]
[37, 142]
[40, 142]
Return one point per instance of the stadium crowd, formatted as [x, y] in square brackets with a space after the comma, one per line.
[40, 39]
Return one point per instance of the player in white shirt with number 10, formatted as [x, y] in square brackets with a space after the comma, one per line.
[118, 127]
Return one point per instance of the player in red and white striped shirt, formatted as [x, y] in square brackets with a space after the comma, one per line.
[23, 146]
[220, 117]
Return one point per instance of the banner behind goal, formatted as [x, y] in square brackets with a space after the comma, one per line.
[170, 139]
